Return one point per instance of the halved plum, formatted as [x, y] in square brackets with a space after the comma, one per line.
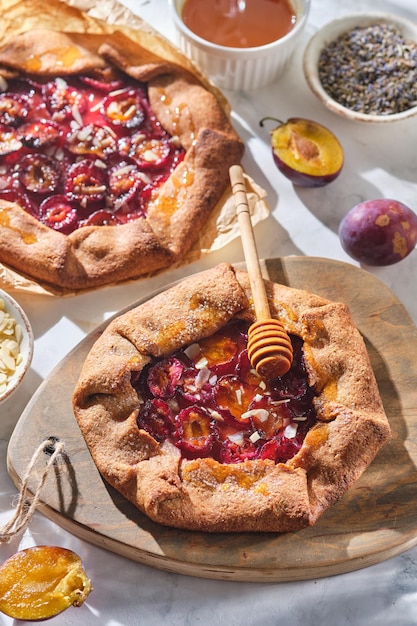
[86, 182]
[101, 217]
[42, 581]
[124, 182]
[233, 395]
[279, 449]
[148, 152]
[40, 134]
[14, 108]
[216, 352]
[39, 173]
[155, 417]
[18, 195]
[57, 213]
[164, 376]
[92, 139]
[306, 152]
[9, 140]
[63, 101]
[237, 449]
[125, 108]
[195, 431]
[268, 416]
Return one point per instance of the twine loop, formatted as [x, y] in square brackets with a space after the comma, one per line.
[27, 503]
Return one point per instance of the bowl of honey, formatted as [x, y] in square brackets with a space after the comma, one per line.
[240, 44]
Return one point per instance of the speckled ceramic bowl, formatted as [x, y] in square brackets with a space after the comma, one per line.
[14, 310]
[329, 33]
[240, 68]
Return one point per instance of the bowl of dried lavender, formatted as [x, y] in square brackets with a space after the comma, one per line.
[364, 67]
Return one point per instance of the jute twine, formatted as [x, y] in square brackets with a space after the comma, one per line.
[27, 503]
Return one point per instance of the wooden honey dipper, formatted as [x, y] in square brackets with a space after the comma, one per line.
[269, 346]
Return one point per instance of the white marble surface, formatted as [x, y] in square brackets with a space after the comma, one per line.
[380, 161]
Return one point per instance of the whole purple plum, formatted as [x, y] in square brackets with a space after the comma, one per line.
[379, 232]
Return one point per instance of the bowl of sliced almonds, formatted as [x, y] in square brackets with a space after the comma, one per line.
[16, 345]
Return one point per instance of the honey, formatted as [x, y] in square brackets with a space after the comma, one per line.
[65, 57]
[239, 23]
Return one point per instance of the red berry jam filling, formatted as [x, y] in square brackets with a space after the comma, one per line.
[77, 151]
[208, 401]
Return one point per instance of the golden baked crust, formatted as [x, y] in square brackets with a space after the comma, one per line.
[92, 256]
[255, 495]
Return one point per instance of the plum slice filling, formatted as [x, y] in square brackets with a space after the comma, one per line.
[208, 401]
[77, 151]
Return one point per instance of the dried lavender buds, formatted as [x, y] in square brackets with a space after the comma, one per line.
[371, 70]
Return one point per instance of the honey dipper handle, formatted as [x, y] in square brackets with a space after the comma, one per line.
[260, 299]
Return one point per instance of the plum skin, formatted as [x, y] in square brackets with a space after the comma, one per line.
[299, 178]
[379, 232]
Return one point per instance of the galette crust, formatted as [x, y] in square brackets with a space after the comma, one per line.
[204, 494]
[93, 256]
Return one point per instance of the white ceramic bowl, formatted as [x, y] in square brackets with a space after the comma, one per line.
[332, 31]
[240, 68]
[14, 310]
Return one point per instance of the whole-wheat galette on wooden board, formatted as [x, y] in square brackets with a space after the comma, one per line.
[114, 153]
[179, 423]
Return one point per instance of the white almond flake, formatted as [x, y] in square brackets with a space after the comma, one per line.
[262, 384]
[77, 115]
[61, 83]
[10, 339]
[213, 379]
[173, 405]
[239, 396]
[124, 170]
[192, 350]
[84, 133]
[216, 415]
[3, 84]
[290, 431]
[139, 137]
[117, 92]
[150, 156]
[300, 418]
[261, 414]
[110, 131]
[255, 437]
[202, 377]
[144, 178]
[96, 107]
[100, 163]
[176, 141]
[201, 363]
[236, 438]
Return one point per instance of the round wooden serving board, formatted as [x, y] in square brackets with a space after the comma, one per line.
[375, 520]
